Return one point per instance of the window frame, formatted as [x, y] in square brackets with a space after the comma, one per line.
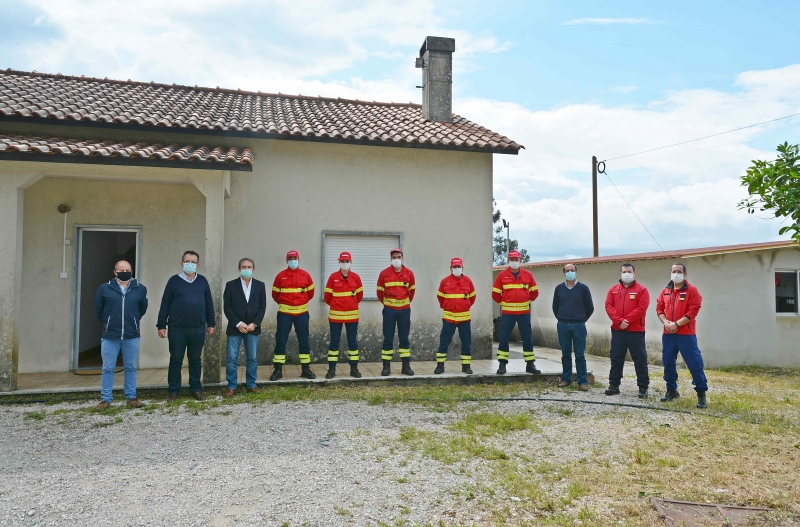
[797, 293]
[353, 233]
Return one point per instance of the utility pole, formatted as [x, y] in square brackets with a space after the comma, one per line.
[507, 225]
[594, 207]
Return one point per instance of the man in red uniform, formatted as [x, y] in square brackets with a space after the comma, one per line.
[626, 306]
[292, 289]
[514, 289]
[343, 292]
[677, 307]
[396, 288]
[456, 295]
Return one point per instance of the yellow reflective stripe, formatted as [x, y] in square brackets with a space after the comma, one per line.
[495, 290]
[533, 288]
[512, 309]
[276, 289]
[360, 290]
[395, 302]
[466, 359]
[309, 288]
[395, 284]
[459, 295]
[333, 318]
[344, 293]
[461, 316]
[515, 286]
[380, 288]
[289, 290]
[412, 287]
[328, 290]
[285, 308]
[439, 293]
[471, 294]
[343, 313]
[516, 304]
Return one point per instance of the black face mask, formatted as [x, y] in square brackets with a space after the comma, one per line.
[124, 276]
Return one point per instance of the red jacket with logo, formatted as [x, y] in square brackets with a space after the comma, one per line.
[292, 290]
[396, 289]
[343, 295]
[678, 303]
[456, 296]
[515, 294]
[627, 303]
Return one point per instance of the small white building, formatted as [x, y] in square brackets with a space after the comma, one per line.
[750, 300]
[93, 170]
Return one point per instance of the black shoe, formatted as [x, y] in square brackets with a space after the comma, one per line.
[466, 369]
[306, 372]
[643, 393]
[612, 390]
[277, 373]
[354, 370]
[671, 395]
[387, 368]
[530, 367]
[331, 370]
[501, 370]
[406, 369]
[701, 400]
[439, 368]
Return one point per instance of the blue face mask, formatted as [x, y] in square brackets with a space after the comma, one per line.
[247, 274]
[570, 275]
[189, 267]
[293, 264]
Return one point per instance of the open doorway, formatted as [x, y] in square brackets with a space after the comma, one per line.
[98, 249]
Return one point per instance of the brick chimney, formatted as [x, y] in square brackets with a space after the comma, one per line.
[436, 60]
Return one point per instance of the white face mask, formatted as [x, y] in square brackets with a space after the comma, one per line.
[677, 278]
[397, 263]
[457, 271]
[344, 266]
[513, 265]
[627, 278]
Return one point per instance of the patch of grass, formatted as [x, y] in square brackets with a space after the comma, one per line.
[341, 512]
[104, 424]
[487, 424]
[35, 416]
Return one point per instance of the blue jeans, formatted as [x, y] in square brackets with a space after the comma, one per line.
[232, 365]
[402, 319]
[446, 337]
[687, 346]
[507, 323]
[285, 323]
[351, 328]
[188, 342]
[109, 351]
[572, 338]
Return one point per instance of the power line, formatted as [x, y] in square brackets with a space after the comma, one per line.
[629, 206]
[701, 138]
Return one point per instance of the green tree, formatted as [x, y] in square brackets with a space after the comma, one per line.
[499, 250]
[774, 186]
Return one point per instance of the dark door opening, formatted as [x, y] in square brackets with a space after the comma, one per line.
[100, 250]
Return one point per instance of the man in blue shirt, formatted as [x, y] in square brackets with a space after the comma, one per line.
[572, 306]
[188, 309]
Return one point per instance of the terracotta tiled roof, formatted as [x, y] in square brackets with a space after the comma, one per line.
[29, 96]
[37, 148]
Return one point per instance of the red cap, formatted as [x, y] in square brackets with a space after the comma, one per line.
[292, 253]
[456, 261]
[345, 256]
[396, 251]
[514, 254]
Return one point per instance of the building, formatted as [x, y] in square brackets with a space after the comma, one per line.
[95, 169]
[750, 300]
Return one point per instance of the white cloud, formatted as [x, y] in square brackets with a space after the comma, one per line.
[607, 21]
[39, 20]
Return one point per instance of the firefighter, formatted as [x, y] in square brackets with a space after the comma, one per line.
[514, 289]
[396, 287]
[456, 295]
[343, 292]
[292, 290]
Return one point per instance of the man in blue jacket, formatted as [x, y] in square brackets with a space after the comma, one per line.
[120, 305]
[188, 309]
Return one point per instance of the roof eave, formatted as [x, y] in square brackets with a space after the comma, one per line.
[124, 161]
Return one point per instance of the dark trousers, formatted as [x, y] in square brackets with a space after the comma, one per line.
[621, 343]
[446, 337]
[400, 318]
[285, 323]
[189, 342]
[352, 341]
[572, 339]
[507, 323]
[687, 346]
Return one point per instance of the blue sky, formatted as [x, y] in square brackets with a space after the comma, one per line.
[567, 79]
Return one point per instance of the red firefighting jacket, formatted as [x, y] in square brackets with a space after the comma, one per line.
[396, 290]
[292, 290]
[515, 295]
[456, 296]
[678, 303]
[343, 295]
[627, 303]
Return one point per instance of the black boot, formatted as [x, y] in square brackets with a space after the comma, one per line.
[354, 370]
[701, 400]
[501, 370]
[277, 373]
[331, 370]
[671, 395]
[306, 372]
[439, 368]
[530, 367]
[612, 390]
[643, 393]
[466, 369]
[406, 369]
[387, 368]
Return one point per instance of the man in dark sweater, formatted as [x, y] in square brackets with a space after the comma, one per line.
[572, 306]
[188, 309]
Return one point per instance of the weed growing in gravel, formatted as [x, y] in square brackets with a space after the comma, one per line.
[36, 416]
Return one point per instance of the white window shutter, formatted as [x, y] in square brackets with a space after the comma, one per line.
[371, 255]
